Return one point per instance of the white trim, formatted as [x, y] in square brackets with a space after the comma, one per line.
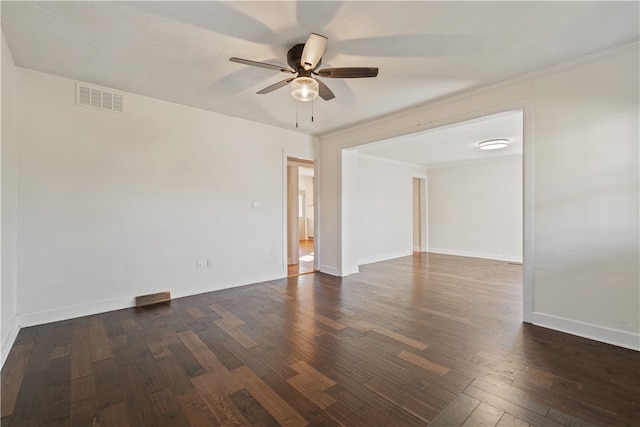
[527, 209]
[471, 254]
[316, 215]
[289, 159]
[612, 336]
[424, 212]
[9, 340]
[331, 270]
[354, 269]
[72, 312]
[385, 257]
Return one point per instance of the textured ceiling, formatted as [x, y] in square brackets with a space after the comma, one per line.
[179, 51]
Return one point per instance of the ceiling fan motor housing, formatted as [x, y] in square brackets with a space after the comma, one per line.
[293, 59]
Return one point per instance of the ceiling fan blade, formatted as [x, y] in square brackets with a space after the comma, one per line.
[275, 86]
[262, 65]
[313, 51]
[324, 91]
[348, 72]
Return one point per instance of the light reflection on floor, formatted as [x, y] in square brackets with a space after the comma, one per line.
[306, 256]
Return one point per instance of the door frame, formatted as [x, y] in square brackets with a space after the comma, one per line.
[292, 160]
[348, 264]
[423, 212]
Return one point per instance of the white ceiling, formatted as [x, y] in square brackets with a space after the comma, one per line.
[453, 144]
[426, 50]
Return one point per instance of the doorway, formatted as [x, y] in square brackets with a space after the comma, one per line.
[474, 210]
[300, 217]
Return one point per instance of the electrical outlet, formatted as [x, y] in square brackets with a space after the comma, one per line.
[200, 264]
[209, 263]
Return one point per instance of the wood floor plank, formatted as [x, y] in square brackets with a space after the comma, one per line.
[114, 416]
[217, 373]
[228, 318]
[81, 351]
[57, 391]
[251, 409]
[84, 413]
[215, 395]
[484, 416]
[509, 407]
[457, 412]
[423, 363]
[12, 378]
[242, 338]
[271, 401]
[196, 410]
[420, 409]
[508, 420]
[511, 394]
[312, 384]
[329, 322]
[168, 409]
[391, 334]
[83, 388]
[30, 399]
[100, 344]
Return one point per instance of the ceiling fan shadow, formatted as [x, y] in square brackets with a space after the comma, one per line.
[417, 45]
[315, 16]
[341, 90]
[236, 82]
[211, 16]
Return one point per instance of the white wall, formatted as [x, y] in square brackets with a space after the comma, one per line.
[476, 209]
[586, 194]
[9, 291]
[117, 205]
[382, 208]
[580, 189]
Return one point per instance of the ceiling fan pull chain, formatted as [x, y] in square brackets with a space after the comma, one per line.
[296, 114]
[312, 111]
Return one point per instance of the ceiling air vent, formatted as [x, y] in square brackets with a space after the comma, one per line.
[97, 98]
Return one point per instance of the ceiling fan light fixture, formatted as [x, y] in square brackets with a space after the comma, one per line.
[493, 144]
[305, 89]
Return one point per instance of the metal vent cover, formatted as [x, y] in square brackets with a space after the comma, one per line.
[92, 97]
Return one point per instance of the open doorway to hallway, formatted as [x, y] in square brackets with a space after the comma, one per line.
[300, 217]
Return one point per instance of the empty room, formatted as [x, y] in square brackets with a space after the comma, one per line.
[292, 213]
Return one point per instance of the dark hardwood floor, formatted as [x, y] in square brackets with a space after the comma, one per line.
[424, 339]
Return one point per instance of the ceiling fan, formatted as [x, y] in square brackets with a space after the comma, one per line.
[304, 60]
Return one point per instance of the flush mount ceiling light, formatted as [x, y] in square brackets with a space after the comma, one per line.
[304, 88]
[493, 144]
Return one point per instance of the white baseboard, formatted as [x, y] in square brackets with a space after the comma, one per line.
[71, 312]
[471, 254]
[587, 330]
[328, 269]
[384, 257]
[7, 341]
[353, 269]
